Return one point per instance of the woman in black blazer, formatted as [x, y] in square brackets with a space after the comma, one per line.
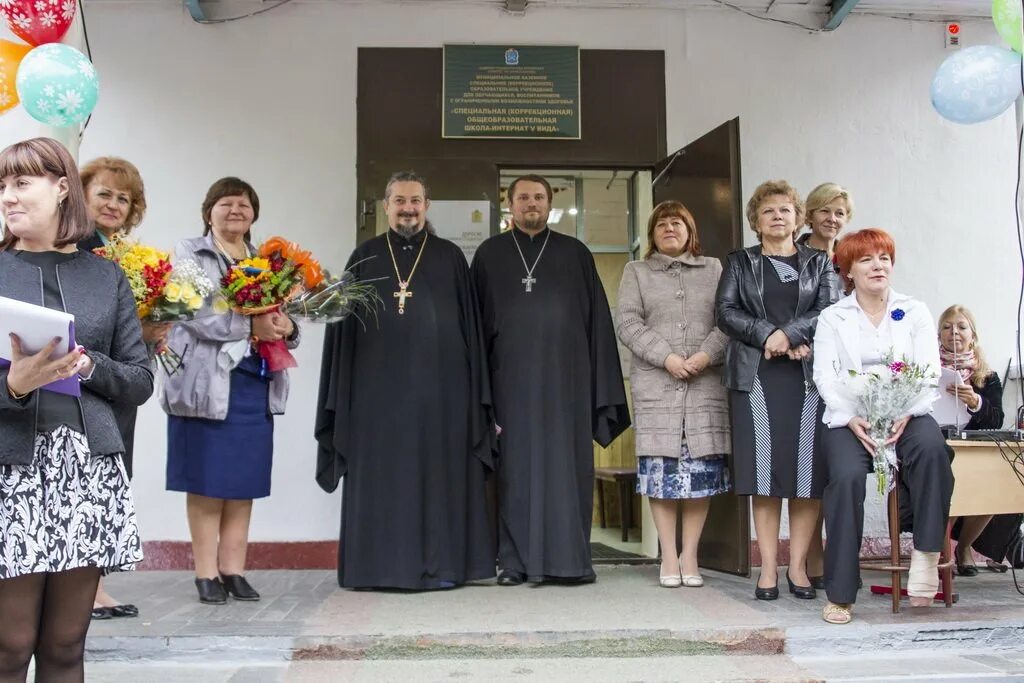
[982, 392]
[66, 512]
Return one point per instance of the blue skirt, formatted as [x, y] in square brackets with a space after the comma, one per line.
[683, 477]
[229, 458]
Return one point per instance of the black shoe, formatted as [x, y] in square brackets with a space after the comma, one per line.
[124, 611]
[238, 588]
[766, 593]
[100, 613]
[802, 592]
[572, 580]
[818, 582]
[966, 569]
[211, 592]
[510, 577]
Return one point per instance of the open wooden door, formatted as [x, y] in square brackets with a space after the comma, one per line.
[705, 176]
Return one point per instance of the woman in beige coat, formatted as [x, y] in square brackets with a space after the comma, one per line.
[666, 317]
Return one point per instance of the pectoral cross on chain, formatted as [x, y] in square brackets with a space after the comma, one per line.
[401, 295]
[530, 280]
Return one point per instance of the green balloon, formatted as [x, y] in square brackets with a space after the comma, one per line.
[57, 85]
[1006, 14]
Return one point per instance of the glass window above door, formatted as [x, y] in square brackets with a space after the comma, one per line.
[595, 206]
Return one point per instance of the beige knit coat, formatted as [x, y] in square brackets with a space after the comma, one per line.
[667, 305]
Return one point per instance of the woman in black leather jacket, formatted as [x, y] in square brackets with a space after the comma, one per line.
[768, 302]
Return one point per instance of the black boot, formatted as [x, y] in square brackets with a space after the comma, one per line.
[238, 588]
[211, 592]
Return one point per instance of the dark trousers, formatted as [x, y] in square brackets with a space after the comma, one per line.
[928, 483]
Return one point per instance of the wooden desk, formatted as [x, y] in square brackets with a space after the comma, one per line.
[985, 482]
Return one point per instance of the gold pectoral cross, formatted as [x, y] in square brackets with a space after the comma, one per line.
[401, 295]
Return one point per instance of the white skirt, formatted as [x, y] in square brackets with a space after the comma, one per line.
[66, 510]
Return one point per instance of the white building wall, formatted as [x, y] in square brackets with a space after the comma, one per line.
[273, 99]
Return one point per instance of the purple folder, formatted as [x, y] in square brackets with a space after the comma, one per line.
[70, 386]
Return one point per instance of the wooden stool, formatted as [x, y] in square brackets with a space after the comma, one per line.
[626, 478]
[896, 566]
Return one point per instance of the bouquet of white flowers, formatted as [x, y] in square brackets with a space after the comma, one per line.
[883, 394]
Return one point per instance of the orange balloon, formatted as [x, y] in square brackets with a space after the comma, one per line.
[11, 55]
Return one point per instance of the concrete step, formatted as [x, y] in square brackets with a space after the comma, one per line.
[304, 616]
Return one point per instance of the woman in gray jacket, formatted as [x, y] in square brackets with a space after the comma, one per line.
[221, 404]
[666, 317]
[66, 512]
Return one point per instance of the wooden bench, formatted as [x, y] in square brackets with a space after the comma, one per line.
[626, 479]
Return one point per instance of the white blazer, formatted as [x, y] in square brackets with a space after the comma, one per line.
[837, 350]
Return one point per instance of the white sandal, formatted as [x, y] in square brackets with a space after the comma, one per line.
[837, 614]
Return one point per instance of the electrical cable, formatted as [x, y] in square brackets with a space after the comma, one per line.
[1020, 249]
[88, 53]
[241, 16]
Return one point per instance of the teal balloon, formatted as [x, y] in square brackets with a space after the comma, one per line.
[57, 85]
[1007, 16]
[976, 84]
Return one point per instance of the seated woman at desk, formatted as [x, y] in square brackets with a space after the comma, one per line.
[982, 393]
[854, 334]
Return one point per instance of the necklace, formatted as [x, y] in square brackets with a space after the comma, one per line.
[223, 250]
[530, 280]
[403, 292]
[873, 315]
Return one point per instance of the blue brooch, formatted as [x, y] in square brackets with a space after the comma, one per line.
[898, 314]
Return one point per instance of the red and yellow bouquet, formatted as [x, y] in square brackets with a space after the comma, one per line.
[148, 270]
[279, 272]
[163, 293]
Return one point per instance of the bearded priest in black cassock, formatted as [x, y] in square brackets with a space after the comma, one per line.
[404, 412]
[557, 387]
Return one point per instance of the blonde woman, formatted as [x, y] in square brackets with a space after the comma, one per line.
[829, 209]
[982, 393]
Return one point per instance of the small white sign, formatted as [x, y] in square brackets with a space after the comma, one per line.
[467, 223]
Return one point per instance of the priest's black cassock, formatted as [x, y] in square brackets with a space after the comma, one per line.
[404, 416]
[557, 387]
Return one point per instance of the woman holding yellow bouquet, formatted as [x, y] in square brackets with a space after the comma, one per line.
[221, 402]
[115, 202]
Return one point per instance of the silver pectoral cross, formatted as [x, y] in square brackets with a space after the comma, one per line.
[402, 295]
[528, 281]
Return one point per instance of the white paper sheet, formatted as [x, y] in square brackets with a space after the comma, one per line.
[35, 327]
[949, 410]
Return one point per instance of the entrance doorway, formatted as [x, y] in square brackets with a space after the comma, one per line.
[614, 165]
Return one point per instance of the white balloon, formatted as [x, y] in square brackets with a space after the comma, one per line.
[977, 83]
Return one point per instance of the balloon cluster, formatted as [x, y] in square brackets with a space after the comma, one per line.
[55, 83]
[979, 83]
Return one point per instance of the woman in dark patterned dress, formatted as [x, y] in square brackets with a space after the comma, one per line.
[768, 301]
[66, 513]
[115, 201]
